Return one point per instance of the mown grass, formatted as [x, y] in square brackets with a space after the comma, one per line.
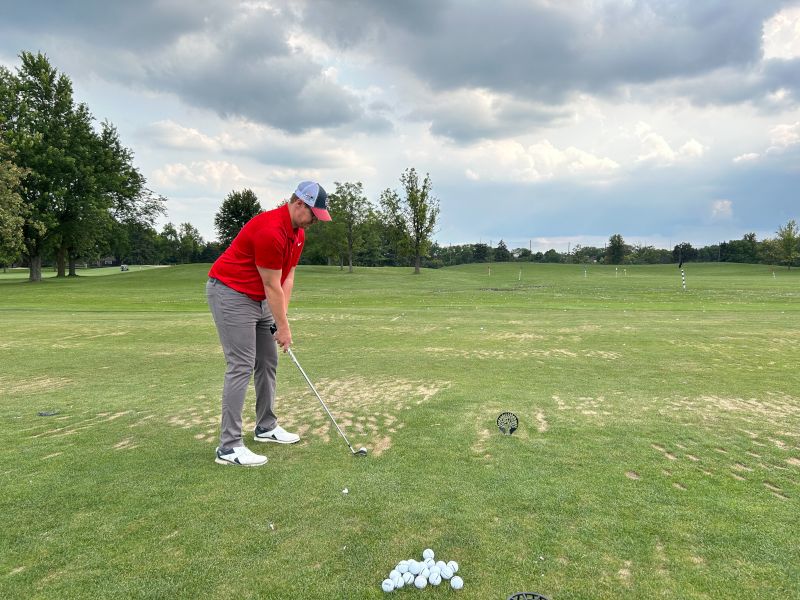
[658, 453]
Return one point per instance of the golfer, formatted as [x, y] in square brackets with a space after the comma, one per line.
[248, 290]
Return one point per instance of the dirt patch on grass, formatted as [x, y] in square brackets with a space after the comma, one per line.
[772, 408]
[633, 475]
[81, 425]
[32, 385]
[555, 353]
[369, 411]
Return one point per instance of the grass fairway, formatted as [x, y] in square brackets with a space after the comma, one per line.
[658, 454]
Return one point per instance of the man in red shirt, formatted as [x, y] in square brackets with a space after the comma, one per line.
[248, 290]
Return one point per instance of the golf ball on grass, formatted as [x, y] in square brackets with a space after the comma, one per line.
[456, 583]
[394, 574]
[420, 582]
[427, 553]
[434, 578]
[453, 566]
[387, 585]
[415, 568]
[446, 572]
[408, 578]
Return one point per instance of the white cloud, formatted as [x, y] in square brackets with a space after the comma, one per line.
[510, 159]
[721, 209]
[783, 136]
[656, 149]
[170, 134]
[216, 175]
[749, 157]
[692, 149]
[781, 38]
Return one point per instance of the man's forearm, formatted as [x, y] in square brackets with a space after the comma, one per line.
[277, 305]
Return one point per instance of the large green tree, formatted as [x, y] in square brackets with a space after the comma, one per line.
[236, 210]
[788, 241]
[12, 241]
[349, 210]
[36, 104]
[616, 250]
[76, 177]
[395, 236]
[420, 210]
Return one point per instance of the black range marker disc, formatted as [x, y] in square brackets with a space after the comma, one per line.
[507, 423]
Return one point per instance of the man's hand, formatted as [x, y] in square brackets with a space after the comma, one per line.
[283, 337]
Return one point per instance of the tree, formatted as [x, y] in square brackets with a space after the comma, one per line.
[501, 253]
[169, 244]
[616, 250]
[76, 178]
[236, 210]
[481, 253]
[190, 244]
[787, 243]
[349, 209]
[395, 238]
[683, 252]
[36, 104]
[420, 211]
[12, 240]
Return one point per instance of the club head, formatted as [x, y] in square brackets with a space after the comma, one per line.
[361, 451]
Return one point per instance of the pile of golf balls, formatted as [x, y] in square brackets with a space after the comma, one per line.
[422, 573]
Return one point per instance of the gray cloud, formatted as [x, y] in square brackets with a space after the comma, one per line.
[234, 59]
[553, 51]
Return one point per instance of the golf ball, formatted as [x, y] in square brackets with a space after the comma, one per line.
[402, 568]
[456, 583]
[425, 572]
[394, 574]
[398, 582]
[430, 563]
[446, 572]
[435, 578]
[387, 585]
[427, 553]
[415, 568]
[453, 566]
[420, 582]
[441, 564]
[408, 578]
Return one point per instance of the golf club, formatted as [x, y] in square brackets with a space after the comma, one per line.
[361, 451]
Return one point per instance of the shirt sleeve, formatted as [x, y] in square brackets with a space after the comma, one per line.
[270, 247]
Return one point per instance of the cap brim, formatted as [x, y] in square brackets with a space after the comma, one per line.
[321, 214]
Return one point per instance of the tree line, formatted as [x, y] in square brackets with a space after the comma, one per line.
[784, 249]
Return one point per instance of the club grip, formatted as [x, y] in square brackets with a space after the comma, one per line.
[273, 328]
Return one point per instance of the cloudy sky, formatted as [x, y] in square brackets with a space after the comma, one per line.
[545, 123]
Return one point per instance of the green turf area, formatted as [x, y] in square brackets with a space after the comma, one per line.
[658, 454]
[23, 273]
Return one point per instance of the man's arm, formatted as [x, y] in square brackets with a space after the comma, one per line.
[288, 285]
[278, 302]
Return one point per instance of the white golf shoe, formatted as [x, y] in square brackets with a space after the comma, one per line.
[278, 435]
[240, 456]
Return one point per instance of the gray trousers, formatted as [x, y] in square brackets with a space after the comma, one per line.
[243, 328]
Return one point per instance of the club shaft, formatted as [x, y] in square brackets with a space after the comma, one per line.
[316, 393]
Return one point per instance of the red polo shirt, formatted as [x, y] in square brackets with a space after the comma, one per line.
[269, 241]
